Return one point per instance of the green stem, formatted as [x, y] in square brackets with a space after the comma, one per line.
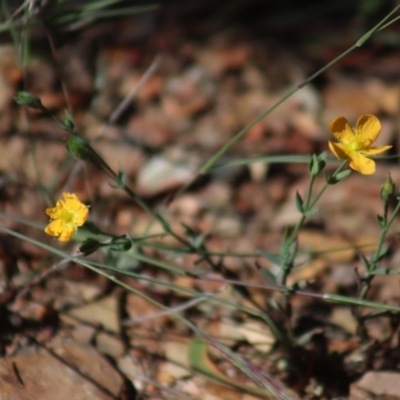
[372, 265]
[378, 27]
[310, 204]
[210, 163]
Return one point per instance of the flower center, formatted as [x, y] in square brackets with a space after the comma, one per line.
[354, 146]
[67, 216]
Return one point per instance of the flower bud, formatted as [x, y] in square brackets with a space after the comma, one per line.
[79, 148]
[317, 164]
[29, 100]
[387, 188]
[89, 246]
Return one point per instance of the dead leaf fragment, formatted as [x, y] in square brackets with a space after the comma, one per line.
[331, 248]
[103, 312]
[43, 376]
[380, 384]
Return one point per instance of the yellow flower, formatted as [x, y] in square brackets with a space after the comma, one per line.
[66, 217]
[355, 143]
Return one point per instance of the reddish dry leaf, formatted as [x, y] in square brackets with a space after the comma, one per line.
[43, 376]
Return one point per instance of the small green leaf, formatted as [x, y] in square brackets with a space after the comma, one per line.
[121, 244]
[381, 221]
[313, 165]
[367, 264]
[317, 164]
[311, 212]
[89, 246]
[384, 271]
[29, 100]
[277, 260]
[79, 148]
[299, 203]
[68, 122]
[343, 174]
[351, 301]
[196, 238]
[121, 179]
[323, 157]
[291, 253]
[269, 276]
[198, 241]
[382, 253]
[92, 228]
[338, 177]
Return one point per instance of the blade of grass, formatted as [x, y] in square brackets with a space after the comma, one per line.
[237, 360]
[201, 363]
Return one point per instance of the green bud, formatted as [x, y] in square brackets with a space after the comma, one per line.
[387, 189]
[79, 148]
[316, 164]
[92, 228]
[89, 246]
[68, 122]
[29, 100]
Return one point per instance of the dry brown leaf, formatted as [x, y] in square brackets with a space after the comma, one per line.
[332, 248]
[104, 312]
[43, 376]
[380, 383]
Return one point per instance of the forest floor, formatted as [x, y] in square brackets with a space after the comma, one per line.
[158, 95]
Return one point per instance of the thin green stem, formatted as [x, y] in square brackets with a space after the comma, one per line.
[372, 266]
[378, 27]
[327, 66]
[288, 255]
[210, 163]
[394, 214]
[300, 222]
[318, 196]
[310, 204]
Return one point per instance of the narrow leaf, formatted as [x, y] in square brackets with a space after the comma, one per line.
[299, 203]
[311, 212]
[278, 260]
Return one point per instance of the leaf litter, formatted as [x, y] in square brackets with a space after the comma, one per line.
[204, 91]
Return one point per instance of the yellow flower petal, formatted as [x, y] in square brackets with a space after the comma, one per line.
[375, 150]
[341, 130]
[54, 228]
[51, 212]
[338, 150]
[71, 199]
[368, 128]
[361, 164]
[67, 233]
[66, 217]
[355, 144]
